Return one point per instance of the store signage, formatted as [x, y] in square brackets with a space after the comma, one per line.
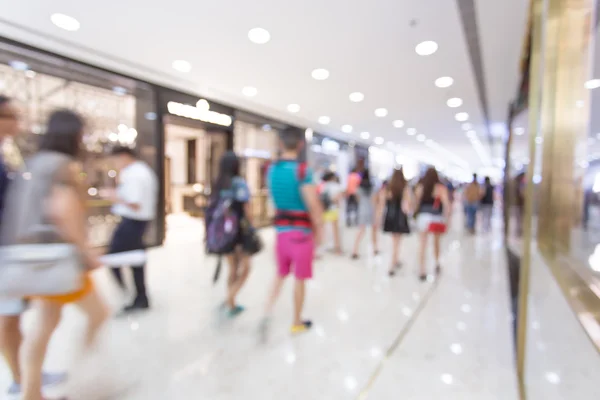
[200, 112]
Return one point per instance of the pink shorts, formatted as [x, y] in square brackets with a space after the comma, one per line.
[297, 248]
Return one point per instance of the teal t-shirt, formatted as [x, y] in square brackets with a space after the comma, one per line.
[284, 184]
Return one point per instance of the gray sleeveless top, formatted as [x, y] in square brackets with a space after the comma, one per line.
[24, 215]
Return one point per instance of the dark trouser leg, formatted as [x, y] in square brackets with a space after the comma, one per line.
[118, 275]
[139, 277]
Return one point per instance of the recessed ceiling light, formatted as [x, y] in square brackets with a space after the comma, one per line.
[398, 123]
[378, 140]
[519, 131]
[365, 135]
[472, 135]
[324, 120]
[381, 112]
[259, 35]
[444, 82]
[293, 108]
[356, 97]
[454, 102]
[411, 131]
[250, 91]
[462, 116]
[426, 48]
[592, 84]
[347, 128]
[65, 22]
[30, 74]
[320, 74]
[467, 126]
[421, 137]
[181, 66]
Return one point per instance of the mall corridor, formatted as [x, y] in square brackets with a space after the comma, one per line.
[374, 336]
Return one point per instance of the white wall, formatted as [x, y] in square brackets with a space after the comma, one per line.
[176, 150]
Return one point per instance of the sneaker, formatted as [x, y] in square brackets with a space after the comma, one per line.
[235, 311]
[302, 328]
[137, 305]
[49, 381]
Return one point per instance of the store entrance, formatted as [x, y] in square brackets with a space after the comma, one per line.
[192, 154]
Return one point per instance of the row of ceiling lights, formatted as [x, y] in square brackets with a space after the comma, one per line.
[262, 36]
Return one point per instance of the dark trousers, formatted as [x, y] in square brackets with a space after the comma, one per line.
[129, 236]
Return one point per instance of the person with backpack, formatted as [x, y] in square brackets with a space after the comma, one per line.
[298, 223]
[472, 197]
[331, 194]
[11, 309]
[229, 229]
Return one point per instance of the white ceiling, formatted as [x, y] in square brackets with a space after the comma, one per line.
[367, 47]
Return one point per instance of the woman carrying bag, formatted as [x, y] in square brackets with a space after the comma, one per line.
[45, 223]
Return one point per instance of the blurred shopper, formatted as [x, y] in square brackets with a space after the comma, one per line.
[135, 202]
[298, 223]
[472, 197]
[231, 187]
[433, 215]
[396, 200]
[519, 183]
[487, 204]
[331, 197]
[351, 197]
[11, 309]
[366, 213]
[57, 205]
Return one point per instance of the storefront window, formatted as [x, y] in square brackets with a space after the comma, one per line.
[116, 111]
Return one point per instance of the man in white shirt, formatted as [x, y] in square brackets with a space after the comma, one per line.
[135, 202]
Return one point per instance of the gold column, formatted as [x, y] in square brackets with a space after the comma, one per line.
[534, 107]
[567, 43]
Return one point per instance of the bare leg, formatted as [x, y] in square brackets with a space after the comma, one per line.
[233, 260]
[241, 275]
[436, 247]
[396, 238]
[10, 342]
[336, 236]
[97, 314]
[375, 236]
[35, 345]
[299, 290]
[359, 235]
[275, 292]
[423, 253]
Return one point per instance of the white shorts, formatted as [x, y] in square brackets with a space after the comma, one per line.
[10, 307]
[425, 219]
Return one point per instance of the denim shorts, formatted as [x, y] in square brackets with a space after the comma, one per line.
[9, 307]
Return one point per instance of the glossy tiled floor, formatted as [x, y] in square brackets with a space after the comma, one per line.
[456, 333]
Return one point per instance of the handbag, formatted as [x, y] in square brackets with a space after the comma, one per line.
[252, 243]
[40, 266]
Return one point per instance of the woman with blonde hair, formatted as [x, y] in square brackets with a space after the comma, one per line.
[58, 204]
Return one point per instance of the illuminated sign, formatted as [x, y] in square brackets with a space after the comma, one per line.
[200, 112]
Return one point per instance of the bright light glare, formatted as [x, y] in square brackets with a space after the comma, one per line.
[365, 135]
[293, 108]
[182, 66]
[426, 48]
[592, 84]
[357, 97]
[259, 35]
[378, 140]
[320, 74]
[444, 82]
[398, 123]
[347, 128]
[324, 120]
[462, 116]
[454, 102]
[381, 112]
[65, 22]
